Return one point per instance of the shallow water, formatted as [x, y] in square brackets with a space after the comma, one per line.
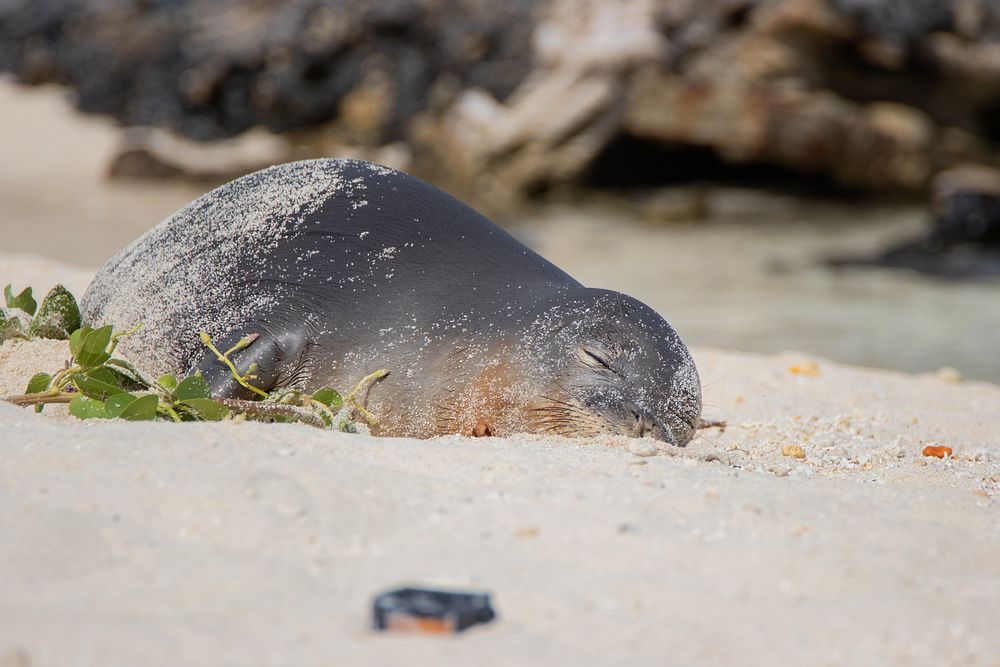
[747, 278]
[752, 278]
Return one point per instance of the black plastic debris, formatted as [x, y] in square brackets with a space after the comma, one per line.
[430, 611]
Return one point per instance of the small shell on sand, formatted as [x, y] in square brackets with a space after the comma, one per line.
[794, 451]
[807, 368]
[948, 374]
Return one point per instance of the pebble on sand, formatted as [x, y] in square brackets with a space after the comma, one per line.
[939, 451]
[794, 451]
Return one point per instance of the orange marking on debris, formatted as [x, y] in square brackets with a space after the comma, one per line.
[431, 626]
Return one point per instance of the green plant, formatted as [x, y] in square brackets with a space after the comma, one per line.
[98, 385]
[20, 316]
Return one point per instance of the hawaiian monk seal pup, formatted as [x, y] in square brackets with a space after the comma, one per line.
[343, 267]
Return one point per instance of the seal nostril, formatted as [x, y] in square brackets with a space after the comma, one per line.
[641, 425]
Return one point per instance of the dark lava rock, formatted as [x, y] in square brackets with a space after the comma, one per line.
[214, 68]
[964, 239]
[966, 206]
[499, 100]
[942, 259]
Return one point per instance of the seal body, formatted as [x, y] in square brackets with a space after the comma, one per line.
[343, 267]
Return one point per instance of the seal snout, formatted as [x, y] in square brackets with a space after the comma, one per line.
[619, 369]
[642, 426]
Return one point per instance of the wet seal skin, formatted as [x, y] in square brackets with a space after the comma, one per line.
[343, 267]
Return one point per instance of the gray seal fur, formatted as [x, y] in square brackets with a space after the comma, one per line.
[343, 267]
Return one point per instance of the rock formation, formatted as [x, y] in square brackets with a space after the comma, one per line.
[502, 99]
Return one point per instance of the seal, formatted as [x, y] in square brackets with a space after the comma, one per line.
[343, 267]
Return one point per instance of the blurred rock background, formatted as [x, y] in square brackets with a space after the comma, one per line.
[505, 99]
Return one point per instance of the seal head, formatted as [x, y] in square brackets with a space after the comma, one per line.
[615, 367]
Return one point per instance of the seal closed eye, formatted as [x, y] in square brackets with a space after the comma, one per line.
[343, 266]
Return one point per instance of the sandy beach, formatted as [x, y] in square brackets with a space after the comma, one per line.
[237, 543]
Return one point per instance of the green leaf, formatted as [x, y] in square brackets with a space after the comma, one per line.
[13, 324]
[94, 349]
[5, 323]
[135, 379]
[123, 378]
[98, 339]
[58, 317]
[83, 407]
[76, 340]
[104, 374]
[141, 409]
[328, 397]
[100, 383]
[168, 382]
[117, 404]
[194, 386]
[23, 301]
[39, 382]
[205, 408]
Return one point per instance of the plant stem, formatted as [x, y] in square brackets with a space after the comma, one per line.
[170, 411]
[324, 412]
[40, 397]
[62, 377]
[115, 337]
[260, 409]
[207, 341]
[242, 343]
[365, 383]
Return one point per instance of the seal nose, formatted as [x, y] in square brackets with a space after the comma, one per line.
[640, 426]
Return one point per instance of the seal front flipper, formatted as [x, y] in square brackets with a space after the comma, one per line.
[272, 361]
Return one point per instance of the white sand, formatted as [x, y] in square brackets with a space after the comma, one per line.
[263, 544]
